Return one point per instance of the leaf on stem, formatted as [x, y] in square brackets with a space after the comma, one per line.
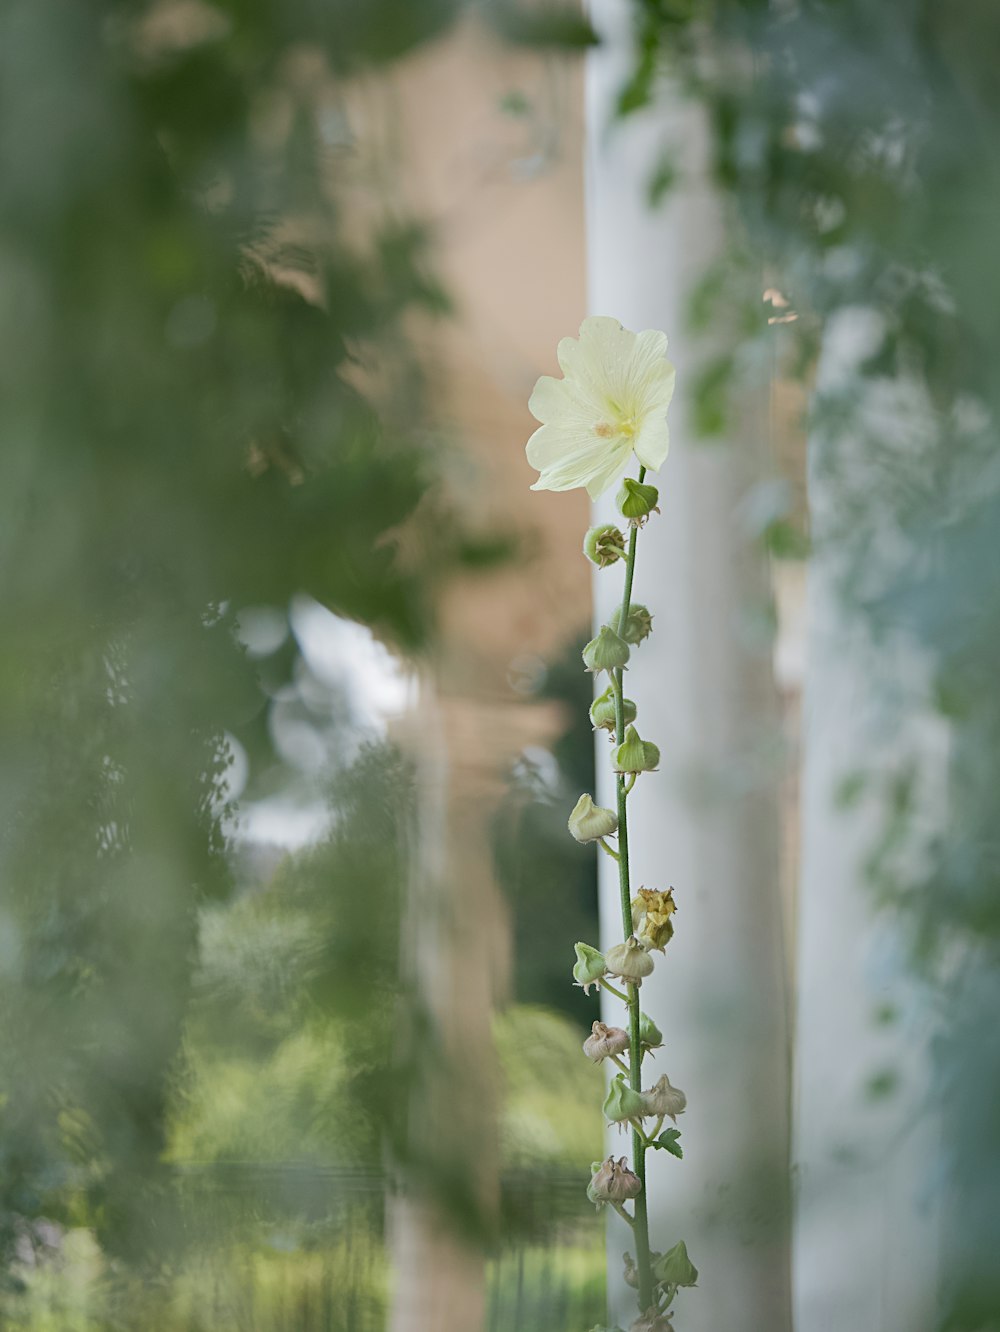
[667, 1142]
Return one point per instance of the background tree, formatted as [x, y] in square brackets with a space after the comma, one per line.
[189, 308]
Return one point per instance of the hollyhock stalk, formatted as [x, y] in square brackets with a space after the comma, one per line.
[611, 406]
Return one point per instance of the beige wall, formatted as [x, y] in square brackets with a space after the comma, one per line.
[504, 197]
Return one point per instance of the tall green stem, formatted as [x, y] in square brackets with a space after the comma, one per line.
[641, 1221]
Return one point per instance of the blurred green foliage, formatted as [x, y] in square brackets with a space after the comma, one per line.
[549, 879]
[211, 414]
[857, 146]
[196, 284]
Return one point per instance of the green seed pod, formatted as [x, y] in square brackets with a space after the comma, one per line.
[675, 1268]
[650, 1036]
[638, 625]
[634, 754]
[590, 966]
[636, 501]
[604, 545]
[629, 960]
[589, 822]
[622, 1103]
[606, 652]
[602, 711]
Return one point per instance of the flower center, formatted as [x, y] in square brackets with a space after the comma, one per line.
[608, 430]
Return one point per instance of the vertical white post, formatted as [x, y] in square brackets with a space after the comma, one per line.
[866, 1226]
[707, 822]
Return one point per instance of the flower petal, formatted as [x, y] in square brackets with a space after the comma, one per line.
[652, 444]
[614, 396]
[617, 463]
[567, 460]
[560, 402]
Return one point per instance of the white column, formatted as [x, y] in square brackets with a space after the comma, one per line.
[707, 822]
[866, 1137]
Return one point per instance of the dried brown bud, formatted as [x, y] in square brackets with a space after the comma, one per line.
[664, 1100]
[613, 1182]
[651, 1321]
[651, 912]
[605, 1041]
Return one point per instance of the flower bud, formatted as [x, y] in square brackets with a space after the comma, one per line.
[589, 822]
[651, 912]
[631, 1271]
[650, 1036]
[612, 1181]
[602, 711]
[622, 1103]
[629, 960]
[606, 652]
[634, 754]
[638, 624]
[664, 1100]
[603, 545]
[636, 501]
[675, 1268]
[590, 966]
[652, 1321]
[604, 1042]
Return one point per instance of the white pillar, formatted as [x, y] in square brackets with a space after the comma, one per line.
[866, 1138]
[707, 822]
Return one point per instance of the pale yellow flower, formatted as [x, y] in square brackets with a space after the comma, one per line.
[611, 403]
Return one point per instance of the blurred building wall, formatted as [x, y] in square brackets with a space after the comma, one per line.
[490, 139]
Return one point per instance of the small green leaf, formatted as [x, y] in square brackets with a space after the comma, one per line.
[514, 103]
[638, 91]
[662, 180]
[667, 1141]
[555, 25]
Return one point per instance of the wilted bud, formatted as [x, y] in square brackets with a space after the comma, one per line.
[603, 545]
[651, 1321]
[638, 624]
[635, 754]
[637, 500]
[589, 822]
[602, 711]
[651, 912]
[612, 1181]
[622, 1103]
[606, 652]
[604, 1042]
[650, 1036]
[590, 966]
[676, 1268]
[629, 960]
[664, 1100]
